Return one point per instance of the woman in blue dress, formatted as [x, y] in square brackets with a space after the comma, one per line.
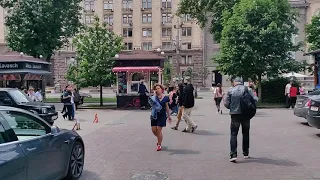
[162, 116]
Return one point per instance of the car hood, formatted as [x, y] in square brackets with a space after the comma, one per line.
[37, 104]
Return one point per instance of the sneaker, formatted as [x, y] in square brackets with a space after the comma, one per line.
[246, 156]
[185, 130]
[159, 148]
[194, 128]
[175, 128]
[221, 112]
[233, 159]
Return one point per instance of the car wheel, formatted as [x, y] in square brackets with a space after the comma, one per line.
[76, 162]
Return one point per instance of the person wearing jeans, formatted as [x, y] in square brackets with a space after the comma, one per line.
[180, 103]
[233, 103]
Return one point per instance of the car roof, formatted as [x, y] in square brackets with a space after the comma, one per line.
[8, 89]
[8, 108]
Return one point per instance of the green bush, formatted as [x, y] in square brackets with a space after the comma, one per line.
[273, 90]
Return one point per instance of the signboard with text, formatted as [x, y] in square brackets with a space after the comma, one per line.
[22, 65]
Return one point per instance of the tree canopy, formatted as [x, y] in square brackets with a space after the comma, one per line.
[40, 27]
[205, 11]
[257, 39]
[313, 33]
[96, 47]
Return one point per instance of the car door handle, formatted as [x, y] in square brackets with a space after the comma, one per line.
[67, 141]
[31, 149]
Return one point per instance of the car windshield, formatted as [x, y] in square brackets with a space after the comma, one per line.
[19, 96]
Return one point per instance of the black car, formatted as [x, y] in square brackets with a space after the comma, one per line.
[313, 115]
[301, 107]
[16, 98]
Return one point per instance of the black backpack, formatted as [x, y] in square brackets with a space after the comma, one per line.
[248, 104]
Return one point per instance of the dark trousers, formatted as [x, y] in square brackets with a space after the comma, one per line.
[236, 121]
[69, 111]
[143, 100]
[64, 109]
[290, 101]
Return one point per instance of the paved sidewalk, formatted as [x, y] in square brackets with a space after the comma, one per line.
[122, 147]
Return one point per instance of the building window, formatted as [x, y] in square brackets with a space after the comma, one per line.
[166, 32]
[187, 45]
[127, 32]
[147, 4]
[108, 18]
[89, 19]
[147, 32]
[166, 17]
[127, 4]
[169, 58]
[147, 18]
[186, 59]
[127, 46]
[166, 45]
[166, 4]
[107, 5]
[186, 31]
[127, 18]
[147, 46]
[186, 18]
[89, 5]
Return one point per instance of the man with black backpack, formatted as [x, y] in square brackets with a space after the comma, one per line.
[242, 104]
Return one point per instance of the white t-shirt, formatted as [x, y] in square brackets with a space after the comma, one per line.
[72, 98]
[287, 89]
[38, 96]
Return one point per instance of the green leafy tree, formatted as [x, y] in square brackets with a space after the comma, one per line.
[40, 27]
[313, 33]
[167, 74]
[96, 48]
[254, 43]
[207, 11]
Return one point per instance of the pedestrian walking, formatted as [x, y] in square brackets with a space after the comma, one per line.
[67, 95]
[38, 95]
[218, 94]
[180, 103]
[302, 89]
[31, 94]
[173, 103]
[73, 112]
[242, 105]
[143, 95]
[287, 93]
[64, 109]
[293, 96]
[160, 113]
[188, 104]
[77, 98]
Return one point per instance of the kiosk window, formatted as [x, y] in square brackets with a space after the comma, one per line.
[3, 96]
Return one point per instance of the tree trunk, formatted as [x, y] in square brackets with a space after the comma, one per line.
[259, 88]
[101, 98]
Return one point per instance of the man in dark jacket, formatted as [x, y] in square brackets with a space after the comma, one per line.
[143, 95]
[180, 102]
[233, 102]
[188, 104]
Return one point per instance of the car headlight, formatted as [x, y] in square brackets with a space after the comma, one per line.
[44, 110]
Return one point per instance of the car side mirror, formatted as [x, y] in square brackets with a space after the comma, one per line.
[54, 130]
[7, 102]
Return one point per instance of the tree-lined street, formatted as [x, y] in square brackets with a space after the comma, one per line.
[121, 145]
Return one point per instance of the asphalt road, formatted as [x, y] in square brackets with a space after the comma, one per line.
[122, 147]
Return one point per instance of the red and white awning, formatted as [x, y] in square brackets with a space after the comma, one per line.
[135, 69]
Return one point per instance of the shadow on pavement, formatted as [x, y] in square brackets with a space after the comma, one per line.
[179, 151]
[318, 135]
[205, 133]
[263, 160]
[88, 175]
[305, 123]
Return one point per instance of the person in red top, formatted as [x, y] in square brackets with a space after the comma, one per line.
[293, 96]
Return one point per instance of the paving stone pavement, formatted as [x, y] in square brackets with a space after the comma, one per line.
[122, 147]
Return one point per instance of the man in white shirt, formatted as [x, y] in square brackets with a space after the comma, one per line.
[287, 93]
[38, 95]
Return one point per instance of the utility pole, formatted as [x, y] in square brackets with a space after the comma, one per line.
[177, 42]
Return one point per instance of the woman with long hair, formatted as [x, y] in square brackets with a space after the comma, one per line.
[158, 120]
[218, 94]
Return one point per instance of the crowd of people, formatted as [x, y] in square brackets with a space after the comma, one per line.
[240, 100]
[34, 96]
[291, 92]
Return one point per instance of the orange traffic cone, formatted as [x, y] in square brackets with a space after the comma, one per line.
[96, 119]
